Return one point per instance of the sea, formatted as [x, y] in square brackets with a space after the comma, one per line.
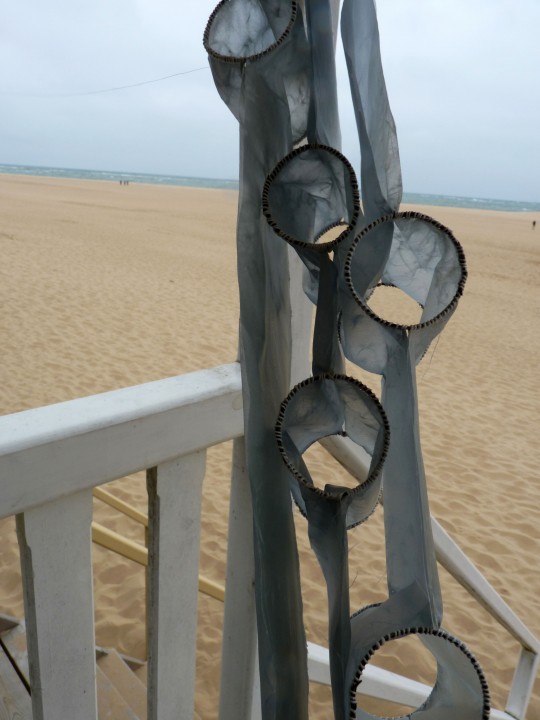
[197, 182]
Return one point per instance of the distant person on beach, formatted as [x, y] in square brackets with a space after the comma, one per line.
[534, 224]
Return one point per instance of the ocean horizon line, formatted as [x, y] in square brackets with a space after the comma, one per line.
[414, 198]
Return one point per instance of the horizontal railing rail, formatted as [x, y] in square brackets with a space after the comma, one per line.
[53, 459]
[82, 443]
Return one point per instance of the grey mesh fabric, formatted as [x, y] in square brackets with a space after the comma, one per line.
[274, 66]
[260, 61]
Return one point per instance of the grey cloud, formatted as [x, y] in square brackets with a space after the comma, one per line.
[461, 78]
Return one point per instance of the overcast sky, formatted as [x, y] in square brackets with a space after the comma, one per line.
[463, 79]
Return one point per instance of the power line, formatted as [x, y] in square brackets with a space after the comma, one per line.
[104, 90]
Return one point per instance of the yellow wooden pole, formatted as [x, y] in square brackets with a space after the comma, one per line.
[138, 553]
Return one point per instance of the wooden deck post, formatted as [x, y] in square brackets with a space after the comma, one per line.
[174, 514]
[239, 648]
[56, 562]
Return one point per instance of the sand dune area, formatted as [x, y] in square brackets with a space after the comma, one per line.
[106, 286]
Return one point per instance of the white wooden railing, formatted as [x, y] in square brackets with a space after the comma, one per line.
[52, 458]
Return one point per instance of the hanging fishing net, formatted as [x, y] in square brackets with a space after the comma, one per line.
[273, 62]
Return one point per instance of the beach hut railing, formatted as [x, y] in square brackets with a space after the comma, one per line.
[52, 458]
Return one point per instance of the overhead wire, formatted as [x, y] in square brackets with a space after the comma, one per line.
[104, 90]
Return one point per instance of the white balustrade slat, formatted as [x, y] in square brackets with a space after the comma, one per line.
[239, 655]
[450, 555]
[174, 505]
[56, 561]
[59, 449]
[522, 684]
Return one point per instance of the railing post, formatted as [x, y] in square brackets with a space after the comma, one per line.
[239, 648]
[522, 684]
[174, 523]
[56, 563]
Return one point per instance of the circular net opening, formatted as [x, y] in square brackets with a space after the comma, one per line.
[423, 260]
[311, 198]
[394, 305]
[241, 30]
[332, 236]
[405, 656]
[330, 405]
[458, 686]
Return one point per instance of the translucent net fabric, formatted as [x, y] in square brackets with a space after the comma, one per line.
[273, 65]
[266, 86]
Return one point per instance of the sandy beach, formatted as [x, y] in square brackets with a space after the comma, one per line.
[106, 286]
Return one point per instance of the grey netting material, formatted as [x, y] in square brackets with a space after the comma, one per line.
[326, 405]
[275, 69]
[381, 171]
[311, 191]
[260, 61]
[424, 260]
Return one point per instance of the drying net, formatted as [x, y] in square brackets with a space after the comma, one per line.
[273, 62]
